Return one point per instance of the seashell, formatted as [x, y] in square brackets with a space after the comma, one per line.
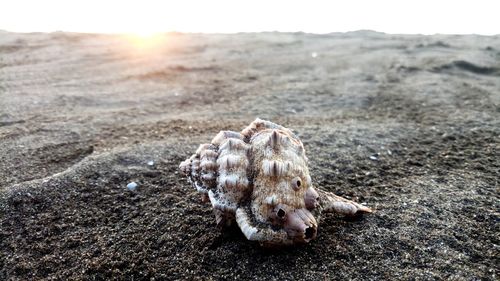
[259, 180]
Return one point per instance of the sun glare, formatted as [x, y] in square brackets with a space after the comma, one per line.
[143, 28]
[146, 43]
[145, 34]
[146, 39]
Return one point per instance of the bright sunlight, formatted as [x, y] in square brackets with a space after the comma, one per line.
[147, 17]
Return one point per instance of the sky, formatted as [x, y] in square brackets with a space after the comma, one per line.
[229, 16]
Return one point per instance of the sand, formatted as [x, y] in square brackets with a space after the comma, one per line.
[408, 125]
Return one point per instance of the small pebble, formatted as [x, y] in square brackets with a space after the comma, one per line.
[373, 157]
[150, 163]
[132, 186]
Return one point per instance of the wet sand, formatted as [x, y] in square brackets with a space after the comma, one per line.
[408, 124]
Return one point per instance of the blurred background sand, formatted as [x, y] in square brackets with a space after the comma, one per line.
[408, 124]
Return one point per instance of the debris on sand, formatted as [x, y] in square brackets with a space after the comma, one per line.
[132, 186]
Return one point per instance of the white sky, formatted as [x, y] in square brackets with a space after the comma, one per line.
[227, 16]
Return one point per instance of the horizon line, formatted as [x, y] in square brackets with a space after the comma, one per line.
[119, 33]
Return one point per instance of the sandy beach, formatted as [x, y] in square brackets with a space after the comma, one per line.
[407, 124]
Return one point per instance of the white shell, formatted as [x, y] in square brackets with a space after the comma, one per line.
[249, 176]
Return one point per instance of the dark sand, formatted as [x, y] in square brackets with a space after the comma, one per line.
[408, 124]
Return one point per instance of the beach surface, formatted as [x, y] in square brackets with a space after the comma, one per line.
[408, 125]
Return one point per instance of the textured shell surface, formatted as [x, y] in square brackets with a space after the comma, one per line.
[258, 178]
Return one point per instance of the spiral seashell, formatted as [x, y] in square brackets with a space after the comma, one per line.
[259, 179]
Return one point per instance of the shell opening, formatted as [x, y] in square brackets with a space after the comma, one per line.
[296, 183]
[309, 233]
[281, 213]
